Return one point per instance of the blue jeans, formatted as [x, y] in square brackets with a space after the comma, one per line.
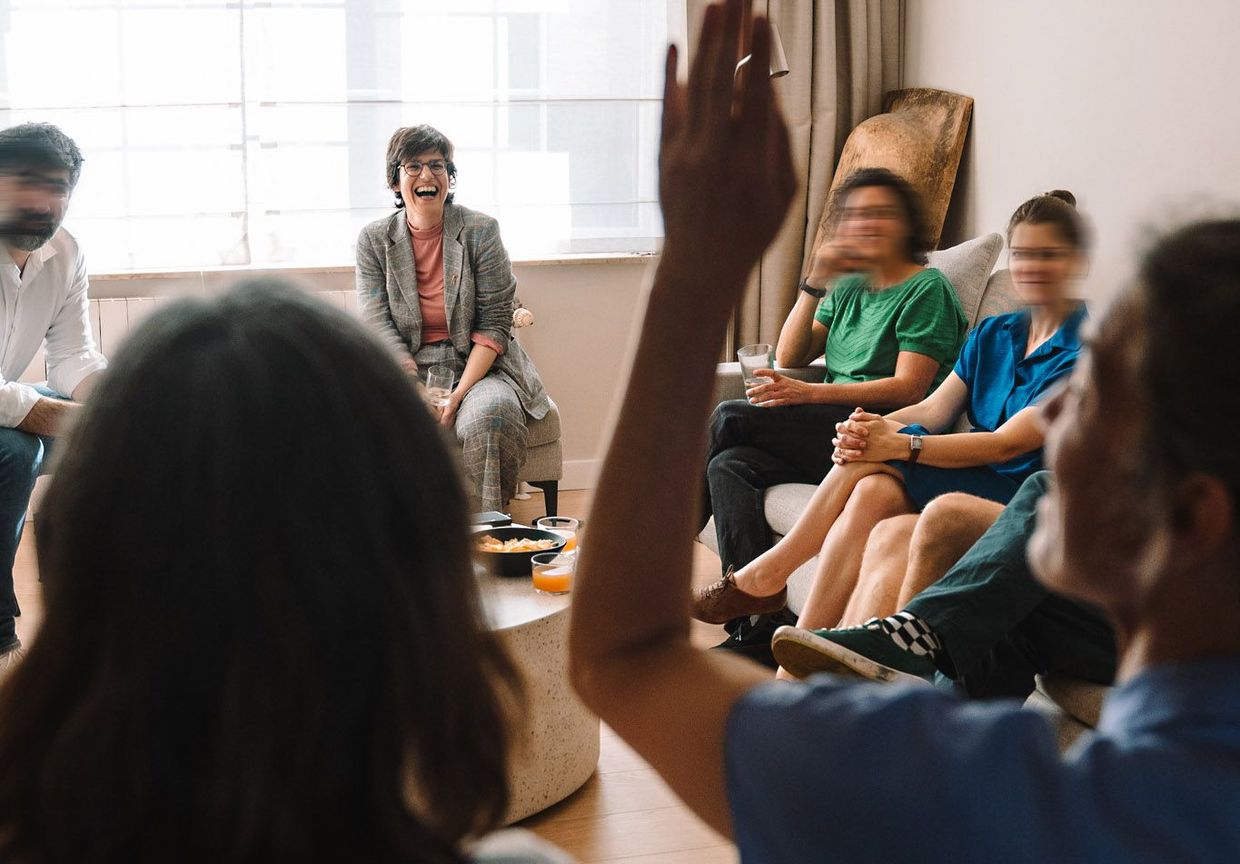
[22, 457]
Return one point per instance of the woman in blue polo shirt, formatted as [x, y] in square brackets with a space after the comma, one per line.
[895, 464]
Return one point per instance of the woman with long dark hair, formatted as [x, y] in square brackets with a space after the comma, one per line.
[262, 638]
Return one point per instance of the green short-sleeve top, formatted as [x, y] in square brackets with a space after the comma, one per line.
[868, 329]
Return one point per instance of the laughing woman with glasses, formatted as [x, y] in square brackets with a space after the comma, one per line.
[434, 281]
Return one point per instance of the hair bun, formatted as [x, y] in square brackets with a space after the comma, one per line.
[1063, 195]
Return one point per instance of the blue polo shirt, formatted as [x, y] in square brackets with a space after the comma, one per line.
[1002, 381]
[836, 771]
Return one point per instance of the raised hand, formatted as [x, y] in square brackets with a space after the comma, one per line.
[725, 170]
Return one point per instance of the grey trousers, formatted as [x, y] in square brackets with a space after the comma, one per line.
[490, 430]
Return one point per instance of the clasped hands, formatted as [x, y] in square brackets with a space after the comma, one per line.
[866, 437]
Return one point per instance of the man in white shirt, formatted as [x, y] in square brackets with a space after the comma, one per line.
[42, 298]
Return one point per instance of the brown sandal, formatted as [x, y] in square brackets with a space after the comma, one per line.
[720, 602]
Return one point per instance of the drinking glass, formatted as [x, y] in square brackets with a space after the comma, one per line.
[552, 572]
[753, 358]
[565, 526]
[439, 385]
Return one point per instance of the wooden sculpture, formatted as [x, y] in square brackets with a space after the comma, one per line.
[920, 136]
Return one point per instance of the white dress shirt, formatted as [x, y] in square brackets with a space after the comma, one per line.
[48, 301]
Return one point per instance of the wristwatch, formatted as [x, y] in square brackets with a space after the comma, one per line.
[813, 292]
[914, 449]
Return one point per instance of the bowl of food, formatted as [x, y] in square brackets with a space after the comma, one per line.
[507, 551]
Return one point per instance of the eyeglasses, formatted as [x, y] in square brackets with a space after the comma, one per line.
[437, 166]
[858, 214]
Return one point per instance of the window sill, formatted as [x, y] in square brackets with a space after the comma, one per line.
[204, 274]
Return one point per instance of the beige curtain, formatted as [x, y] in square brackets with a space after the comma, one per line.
[843, 56]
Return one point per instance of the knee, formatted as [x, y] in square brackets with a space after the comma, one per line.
[890, 537]
[725, 420]
[947, 514]
[20, 452]
[491, 424]
[878, 491]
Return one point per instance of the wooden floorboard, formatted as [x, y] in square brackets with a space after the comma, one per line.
[625, 814]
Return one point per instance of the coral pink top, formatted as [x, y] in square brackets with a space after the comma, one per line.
[428, 264]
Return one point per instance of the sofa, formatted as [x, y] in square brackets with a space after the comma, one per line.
[983, 292]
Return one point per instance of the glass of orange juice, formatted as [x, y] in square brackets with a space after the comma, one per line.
[553, 572]
[565, 526]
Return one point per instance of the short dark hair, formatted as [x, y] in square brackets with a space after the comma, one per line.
[1058, 208]
[919, 242]
[409, 141]
[262, 635]
[40, 144]
[1188, 295]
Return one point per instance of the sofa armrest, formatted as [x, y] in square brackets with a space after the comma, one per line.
[730, 385]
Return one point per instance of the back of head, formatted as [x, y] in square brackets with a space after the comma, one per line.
[1056, 208]
[1189, 296]
[262, 637]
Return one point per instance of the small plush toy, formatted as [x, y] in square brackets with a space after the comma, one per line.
[522, 317]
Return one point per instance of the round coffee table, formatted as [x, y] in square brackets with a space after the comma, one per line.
[557, 748]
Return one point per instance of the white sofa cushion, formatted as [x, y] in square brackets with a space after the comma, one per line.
[967, 266]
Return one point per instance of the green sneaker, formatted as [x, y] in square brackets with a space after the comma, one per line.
[861, 652]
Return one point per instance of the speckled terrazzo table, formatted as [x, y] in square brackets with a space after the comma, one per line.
[557, 751]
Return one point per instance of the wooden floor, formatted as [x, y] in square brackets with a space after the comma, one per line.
[624, 813]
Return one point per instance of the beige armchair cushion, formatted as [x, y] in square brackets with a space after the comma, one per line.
[968, 266]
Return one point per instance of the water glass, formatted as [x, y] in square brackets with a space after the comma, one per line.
[552, 572]
[753, 358]
[565, 526]
[439, 381]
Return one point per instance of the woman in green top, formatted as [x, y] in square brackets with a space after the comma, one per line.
[890, 329]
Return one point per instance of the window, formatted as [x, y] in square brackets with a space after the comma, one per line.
[253, 131]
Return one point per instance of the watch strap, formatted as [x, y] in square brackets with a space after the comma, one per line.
[914, 449]
[813, 292]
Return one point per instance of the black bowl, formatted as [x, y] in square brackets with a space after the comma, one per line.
[514, 563]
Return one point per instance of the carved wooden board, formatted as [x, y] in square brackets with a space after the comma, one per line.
[920, 137]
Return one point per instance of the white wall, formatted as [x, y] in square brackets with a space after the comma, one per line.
[1131, 104]
[585, 312]
[584, 316]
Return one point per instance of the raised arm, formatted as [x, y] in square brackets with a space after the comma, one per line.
[632, 661]
[802, 339]
[804, 336]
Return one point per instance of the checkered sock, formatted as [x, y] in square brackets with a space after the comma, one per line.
[910, 633]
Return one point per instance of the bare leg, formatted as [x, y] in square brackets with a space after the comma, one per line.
[769, 572]
[883, 568]
[947, 528]
[876, 498]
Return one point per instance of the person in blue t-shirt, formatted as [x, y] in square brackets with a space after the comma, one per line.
[894, 464]
[1143, 521]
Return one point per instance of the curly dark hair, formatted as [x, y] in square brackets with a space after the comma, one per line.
[409, 141]
[919, 242]
[40, 144]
